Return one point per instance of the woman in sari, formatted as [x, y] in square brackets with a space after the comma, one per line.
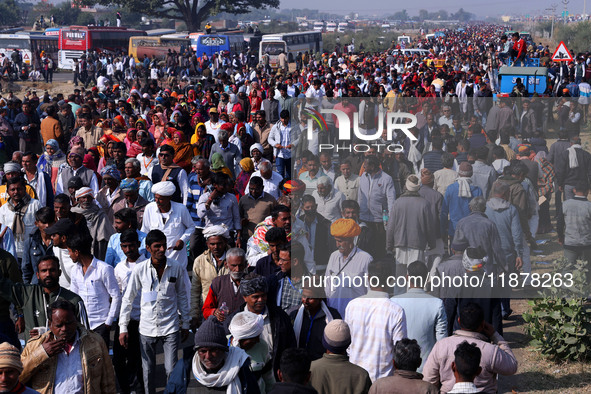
[242, 180]
[51, 160]
[158, 127]
[255, 103]
[141, 124]
[183, 151]
[131, 142]
[242, 139]
[219, 165]
[201, 141]
[105, 147]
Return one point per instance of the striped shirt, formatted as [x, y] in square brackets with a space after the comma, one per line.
[195, 191]
[376, 324]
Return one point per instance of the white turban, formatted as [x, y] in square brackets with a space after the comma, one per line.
[215, 231]
[257, 146]
[165, 188]
[246, 325]
[84, 191]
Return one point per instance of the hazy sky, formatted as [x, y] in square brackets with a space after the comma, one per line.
[479, 7]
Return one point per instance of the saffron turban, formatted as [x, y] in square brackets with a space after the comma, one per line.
[345, 228]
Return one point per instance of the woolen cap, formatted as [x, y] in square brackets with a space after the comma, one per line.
[211, 334]
[10, 357]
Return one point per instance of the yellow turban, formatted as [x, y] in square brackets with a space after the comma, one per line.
[345, 228]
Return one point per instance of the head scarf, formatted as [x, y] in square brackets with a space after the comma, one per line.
[345, 228]
[247, 165]
[76, 140]
[119, 121]
[217, 161]
[195, 136]
[173, 114]
[165, 189]
[142, 121]
[111, 171]
[129, 185]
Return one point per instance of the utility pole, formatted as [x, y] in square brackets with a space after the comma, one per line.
[552, 10]
[565, 2]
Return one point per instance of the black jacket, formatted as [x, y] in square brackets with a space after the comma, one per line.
[570, 176]
[33, 252]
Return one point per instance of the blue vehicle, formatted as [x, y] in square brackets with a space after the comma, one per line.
[211, 44]
[535, 79]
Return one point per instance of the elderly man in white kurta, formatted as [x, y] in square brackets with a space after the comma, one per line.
[348, 264]
[328, 199]
[172, 218]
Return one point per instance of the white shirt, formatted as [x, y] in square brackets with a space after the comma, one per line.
[69, 375]
[122, 273]
[95, 288]
[7, 217]
[330, 206]
[101, 83]
[214, 129]
[66, 266]
[178, 225]
[355, 265]
[161, 300]
[147, 163]
[270, 186]
[376, 324]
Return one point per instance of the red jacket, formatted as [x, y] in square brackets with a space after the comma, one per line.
[519, 47]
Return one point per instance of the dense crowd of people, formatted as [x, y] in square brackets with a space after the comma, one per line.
[202, 216]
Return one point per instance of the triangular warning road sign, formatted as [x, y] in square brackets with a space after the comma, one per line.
[562, 54]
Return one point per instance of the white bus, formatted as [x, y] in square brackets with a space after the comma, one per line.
[319, 26]
[291, 44]
[331, 27]
[30, 45]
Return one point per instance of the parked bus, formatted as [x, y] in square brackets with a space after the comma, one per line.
[74, 41]
[30, 46]
[211, 44]
[156, 46]
[291, 44]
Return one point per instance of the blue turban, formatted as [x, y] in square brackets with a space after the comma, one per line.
[129, 184]
[111, 171]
